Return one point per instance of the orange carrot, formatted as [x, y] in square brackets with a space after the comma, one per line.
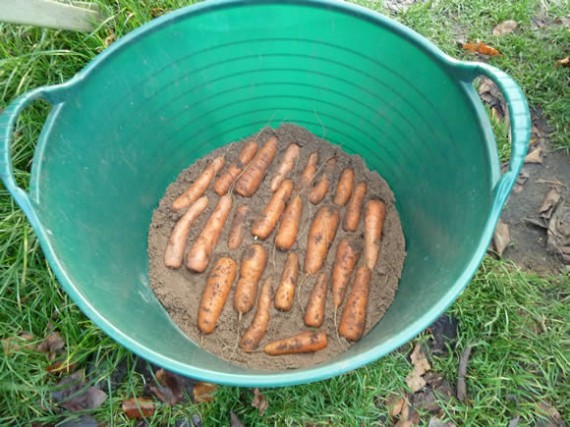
[287, 164]
[224, 182]
[321, 236]
[236, 231]
[263, 227]
[352, 214]
[251, 338]
[216, 291]
[251, 179]
[285, 295]
[201, 252]
[344, 187]
[289, 226]
[304, 342]
[310, 170]
[198, 187]
[353, 320]
[315, 309]
[177, 242]
[347, 256]
[252, 266]
[321, 187]
[374, 215]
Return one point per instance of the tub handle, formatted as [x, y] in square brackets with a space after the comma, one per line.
[8, 118]
[520, 124]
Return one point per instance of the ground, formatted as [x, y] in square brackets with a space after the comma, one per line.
[513, 316]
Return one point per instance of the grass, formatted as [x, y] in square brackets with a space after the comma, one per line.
[517, 321]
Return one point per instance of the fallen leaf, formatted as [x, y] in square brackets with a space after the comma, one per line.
[203, 392]
[480, 48]
[157, 11]
[111, 37]
[564, 62]
[61, 365]
[138, 407]
[168, 387]
[235, 421]
[395, 405]
[404, 423]
[534, 156]
[436, 422]
[259, 401]
[558, 232]
[461, 374]
[505, 28]
[20, 342]
[501, 238]
[75, 395]
[549, 204]
[550, 411]
[420, 365]
[81, 421]
[52, 346]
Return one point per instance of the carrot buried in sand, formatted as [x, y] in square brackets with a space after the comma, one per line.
[252, 266]
[201, 252]
[344, 187]
[198, 187]
[374, 215]
[315, 310]
[304, 342]
[287, 164]
[236, 230]
[254, 334]
[285, 295]
[321, 236]
[352, 214]
[216, 291]
[353, 320]
[263, 227]
[289, 225]
[347, 255]
[177, 242]
[250, 180]
[224, 182]
[310, 170]
[321, 187]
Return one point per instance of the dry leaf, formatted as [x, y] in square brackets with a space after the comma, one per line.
[20, 342]
[436, 422]
[549, 204]
[235, 421]
[564, 62]
[534, 156]
[138, 407]
[62, 365]
[461, 374]
[395, 405]
[420, 365]
[404, 423]
[259, 401]
[75, 395]
[505, 28]
[203, 392]
[480, 48]
[558, 233]
[52, 345]
[168, 387]
[550, 411]
[501, 238]
[111, 37]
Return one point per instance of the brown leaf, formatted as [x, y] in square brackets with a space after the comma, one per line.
[20, 342]
[534, 156]
[480, 48]
[404, 423]
[420, 365]
[564, 62]
[235, 421]
[461, 373]
[436, 422]
[550, 411]
[259, 401]
[558, 232]
[138, 407]
[501, 238]
[61, 365]
[75, 395]
[505, 27]
[168, 387]
[203, 392]
[549, 204]
[395, 405]
[111, 37]
[52, 345]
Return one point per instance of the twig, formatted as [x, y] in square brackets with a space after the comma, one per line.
[461, 372]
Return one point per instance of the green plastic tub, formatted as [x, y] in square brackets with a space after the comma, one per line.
[204, 76]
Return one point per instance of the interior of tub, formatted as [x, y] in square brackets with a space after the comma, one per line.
[159, 100]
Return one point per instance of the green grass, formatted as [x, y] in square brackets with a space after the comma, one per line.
[518, 322]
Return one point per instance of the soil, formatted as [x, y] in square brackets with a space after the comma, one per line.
[180, 290]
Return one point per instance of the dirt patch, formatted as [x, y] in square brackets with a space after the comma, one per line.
[180, 290]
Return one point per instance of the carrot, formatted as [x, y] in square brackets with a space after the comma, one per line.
[353, 320]
[287, 164]
[263, 227]
[310, 170]
[252, 266]
[177, 242]
[321, 236]
[285, 295]
[250, 180]
[201, 252]
[304, 342]
[216, 291]
[236, 231]
[352, 214]
[321, 187]
[315, 309]
[198, 187]
[347, 256]
[374, 215]
[289, 226]
[224, 182]
[251, 338]
[344, 187]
